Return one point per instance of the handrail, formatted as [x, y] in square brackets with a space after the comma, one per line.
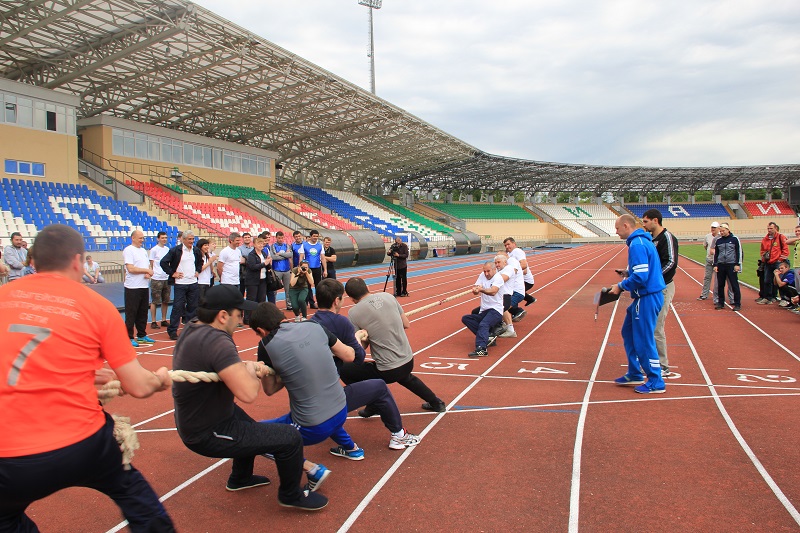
[101, 169]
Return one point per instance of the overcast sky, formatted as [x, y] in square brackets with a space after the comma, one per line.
[619, 82]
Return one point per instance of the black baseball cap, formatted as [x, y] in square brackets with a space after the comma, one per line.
[221, 297]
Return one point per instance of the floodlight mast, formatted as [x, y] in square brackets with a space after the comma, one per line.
[371, 4]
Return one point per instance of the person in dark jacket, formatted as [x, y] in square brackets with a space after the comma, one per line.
[667, 248]
[183, 272]
[257, 268]
[728, 259]
[399, 254]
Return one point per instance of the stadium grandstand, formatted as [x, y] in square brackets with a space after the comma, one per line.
[161, 114]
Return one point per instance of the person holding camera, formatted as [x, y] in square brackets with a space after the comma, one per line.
[300, 283]
[398, 251]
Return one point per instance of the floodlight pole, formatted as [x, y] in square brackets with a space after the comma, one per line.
[371, 4]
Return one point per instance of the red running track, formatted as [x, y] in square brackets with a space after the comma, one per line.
[536, 436]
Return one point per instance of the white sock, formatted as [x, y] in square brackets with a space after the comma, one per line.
[401, 433]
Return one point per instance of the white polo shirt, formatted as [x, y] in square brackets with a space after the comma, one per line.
[138, 257]
[491, 301]
[157, 253]
[231, 259]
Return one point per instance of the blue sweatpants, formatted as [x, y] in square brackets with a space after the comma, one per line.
[481, 324]
[332, 427]
[638, 334]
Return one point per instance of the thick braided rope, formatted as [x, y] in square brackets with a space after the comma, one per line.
[440, 302]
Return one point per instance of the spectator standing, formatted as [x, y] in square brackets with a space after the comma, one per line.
[230, 260]
[256, 271]
[328, 260]
[297, 248]
[14, 256]
[91, 272]
[245, 249]
[137, 288]
[490, 312]
[796, 251]
[398, 251]
[728, 257]
[313, 253]
[206, 276]
[282, 264]
[55, 432]
[667, 247]
[774, 249]
[160, 289]
[183, 265]
[646, 285]
[708, 244]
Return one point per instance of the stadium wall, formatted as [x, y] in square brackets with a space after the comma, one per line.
[527, 229]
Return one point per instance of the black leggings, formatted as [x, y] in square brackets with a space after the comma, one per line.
[352, 373]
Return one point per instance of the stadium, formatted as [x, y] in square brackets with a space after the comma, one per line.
[162, 116]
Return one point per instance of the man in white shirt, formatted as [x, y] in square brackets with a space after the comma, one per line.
[490, 313]
[137, 288]
[159, 286]
[229, 260]
[708, 244]
[516, 258]
[183, 265]
[527, 274]
[508, 272]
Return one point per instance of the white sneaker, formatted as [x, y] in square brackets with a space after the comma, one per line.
[406, 441]
[298, 319]
[783, 303]
[509, 333]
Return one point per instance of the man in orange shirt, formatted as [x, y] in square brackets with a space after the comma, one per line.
[56, 334]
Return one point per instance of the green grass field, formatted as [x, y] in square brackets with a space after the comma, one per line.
[751, 249]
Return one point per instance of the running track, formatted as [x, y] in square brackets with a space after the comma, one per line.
[536, 436]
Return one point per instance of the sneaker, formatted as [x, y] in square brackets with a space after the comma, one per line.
[497, 330]
[702, 297]
[479, 352]
[508, 334]
[762, 301]
[784, 303]
[353, 455]
[308, 501]
[145, 340]
[254, 481]
[154, 325]
[773, 300]
[314, 306]
[519, 316]
[367, 412]
[173, 336]
[796, 310]
[718, 307]
[529, 299]
[165, 323]
[737, 307]
[665, 373]
[644, 389]
[134, 343]
[492, 342]
[627, 380]
[298, 319]
[314, 481]
[438, 407]
[406, 441]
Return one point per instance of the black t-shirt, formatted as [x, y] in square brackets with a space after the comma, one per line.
[329, 251]
[201, 406]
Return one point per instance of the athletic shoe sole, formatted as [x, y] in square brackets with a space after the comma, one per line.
[649, 391]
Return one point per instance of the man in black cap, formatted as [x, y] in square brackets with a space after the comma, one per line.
[211, 424]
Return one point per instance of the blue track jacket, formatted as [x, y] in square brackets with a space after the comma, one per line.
[644, 266]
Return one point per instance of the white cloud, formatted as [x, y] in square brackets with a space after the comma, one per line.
[702, 82]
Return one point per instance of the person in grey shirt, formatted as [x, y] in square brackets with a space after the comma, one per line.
[245, 249]
[14, 256]
[384, 320]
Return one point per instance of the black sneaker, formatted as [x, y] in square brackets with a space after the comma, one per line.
[437, 407]
[479, 352]
[254, 481]
[529, 299]
[308, 501]
[737, 307]
[173, 336]
[165, 323]
[718, 307]
[154, 325]
[367, 412]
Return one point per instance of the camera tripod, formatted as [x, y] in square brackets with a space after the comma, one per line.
[389, 273]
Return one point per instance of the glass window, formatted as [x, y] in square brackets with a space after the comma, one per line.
[237, 162]
[262, 167]
[70, 124]
[166, 150]
[24, 167]
[11, 113]
[245, 165]
[217, 158]
[141, 146]
[38, 169]
[25, 112]
[51, 121]
[198, 155]
[188, 154]
[11, 166]
[129, 146]
[155, 150]
[117, 143]
[227, 161]
[207, 157]
[177, 152]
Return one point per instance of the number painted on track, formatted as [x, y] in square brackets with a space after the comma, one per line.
[542, 370]
[769, 378]
[436, 365]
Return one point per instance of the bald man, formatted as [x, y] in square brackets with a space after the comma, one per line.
[645, 283]
[137, 288]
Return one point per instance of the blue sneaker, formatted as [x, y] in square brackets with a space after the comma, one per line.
[627, 380]
[315, 480]
[145, 340]
[134, 343]
[353, 455]
[646, 389]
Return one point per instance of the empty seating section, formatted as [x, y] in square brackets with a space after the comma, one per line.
[234, 191]
[484, 211]
[673, 211]
[342, 204]
[326, 220]
[178, 189]
[769, 209]
[218, 219]
[587, 220]
[412, 215]
[105, 223]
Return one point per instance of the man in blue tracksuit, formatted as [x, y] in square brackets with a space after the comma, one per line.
[645, 283]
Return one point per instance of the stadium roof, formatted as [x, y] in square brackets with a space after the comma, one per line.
[174, 64]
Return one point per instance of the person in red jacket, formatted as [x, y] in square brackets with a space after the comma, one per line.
[774, 249]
